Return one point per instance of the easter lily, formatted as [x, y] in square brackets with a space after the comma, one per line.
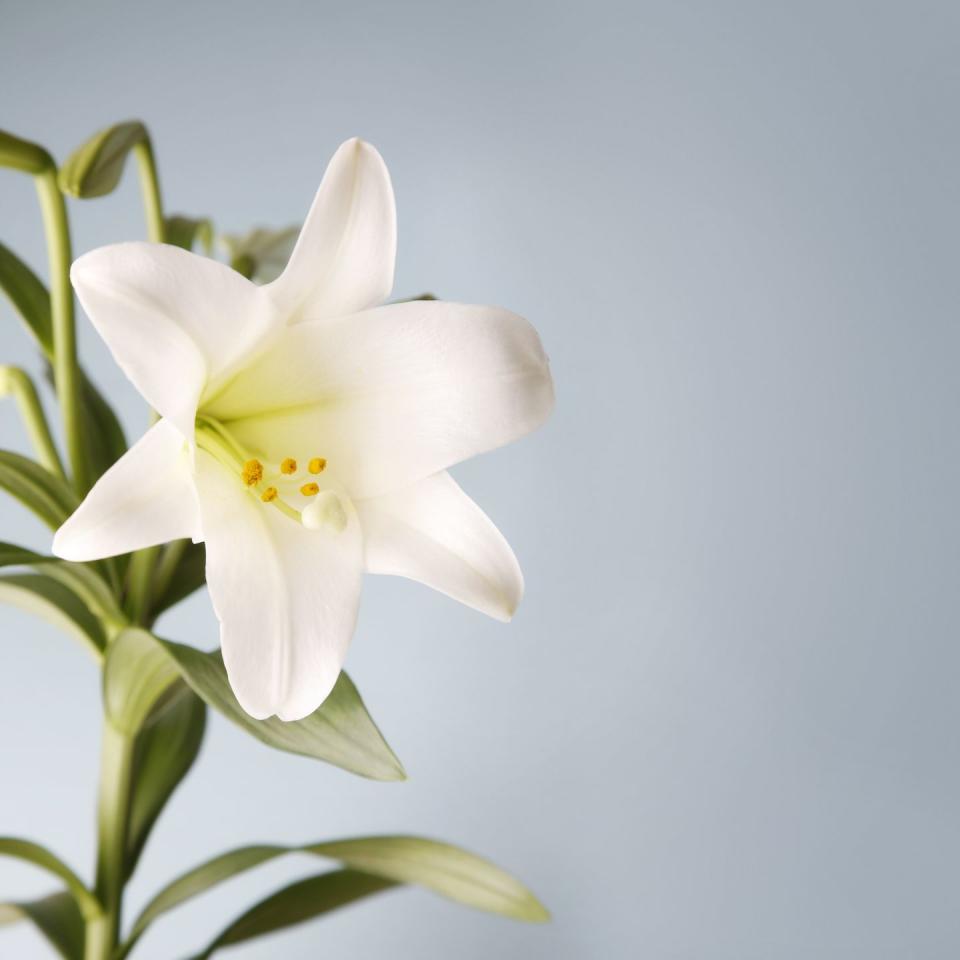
[305, 431]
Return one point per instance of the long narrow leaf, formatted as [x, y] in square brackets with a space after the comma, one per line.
[36, 488]
[29, 297]
[165, 750]
[297, 903]
[56, 916]
[39, 856]
[441, 867]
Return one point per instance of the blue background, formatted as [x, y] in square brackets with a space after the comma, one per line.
[724, 724]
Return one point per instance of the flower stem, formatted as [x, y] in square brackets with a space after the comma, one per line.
[150, 187]
[16, 383]
[113, 813]
[139, 583]
[65, 370]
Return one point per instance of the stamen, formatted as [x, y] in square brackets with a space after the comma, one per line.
[317, 465]
[252, 472]
[269, 494]
[288, 466]
[310, 489]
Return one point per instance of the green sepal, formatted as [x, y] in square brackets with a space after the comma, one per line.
[94, 169]
[23, 155]
[56, 916]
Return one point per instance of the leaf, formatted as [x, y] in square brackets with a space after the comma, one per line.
[39, 856]
[80, 578]
[23, 155]
[185, 232]
[36, 488]
[104, 436]
[56, 916]
[136, 673]
[40, 595]
[340, 731]
[164, 752]
[441, 867]
[95, 168]
[189, 575]
[29, 297]
[296, 903]
[261, 254]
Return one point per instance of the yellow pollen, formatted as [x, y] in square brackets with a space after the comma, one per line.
[252, 472]
[288, 466]
[269, 494]
[310, 489]
[317, 465]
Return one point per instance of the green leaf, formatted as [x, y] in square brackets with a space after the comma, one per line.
[56, 916]
[36, 488]
[94, 169]
[164, 752]
[29, 297]
[39, 856]
[261, 254]
[301, 901]
[81, 579]
[104, 436]
[137, 671]
[441, 867]
[57, 604]
[190, 575]
[185, 232]
[23, 155]
[340, 731]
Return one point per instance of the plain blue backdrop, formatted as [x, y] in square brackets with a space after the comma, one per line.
[723, 725]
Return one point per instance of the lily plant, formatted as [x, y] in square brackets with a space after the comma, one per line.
[302, 428]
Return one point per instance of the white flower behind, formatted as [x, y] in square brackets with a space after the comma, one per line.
[305, 433]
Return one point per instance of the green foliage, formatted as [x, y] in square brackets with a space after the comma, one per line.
[186, 232]
[41, 857]
[94, 169]
[56, 916]
[40, 491]
[260, 254]
[340, 731]
[303, 900]
[188, 576]
[164, 752]
[29, 296]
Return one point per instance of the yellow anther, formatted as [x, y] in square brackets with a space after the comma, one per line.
[269, 494]
[288, 466]
[310, 489]
[252, 472]
[317, 465]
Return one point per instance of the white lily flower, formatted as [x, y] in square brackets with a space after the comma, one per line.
[305, 432]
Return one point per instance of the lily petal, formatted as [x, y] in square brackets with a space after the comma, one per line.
[394, 394]
[433, 532]
[173, 320]
[286, 596]
[344, 257]
[147, 497]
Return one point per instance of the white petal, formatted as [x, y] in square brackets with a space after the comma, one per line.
[433, 532]
[344, 258]
[174, 321]
[286, 596]
[392, 395]
[147, 497]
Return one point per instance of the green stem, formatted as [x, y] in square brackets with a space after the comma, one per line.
[16, 383]
[113, 813]
[167, 566]
[150, 187]
[65, 370]
[140, 584]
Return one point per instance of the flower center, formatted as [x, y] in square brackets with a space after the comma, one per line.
[285, 488]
